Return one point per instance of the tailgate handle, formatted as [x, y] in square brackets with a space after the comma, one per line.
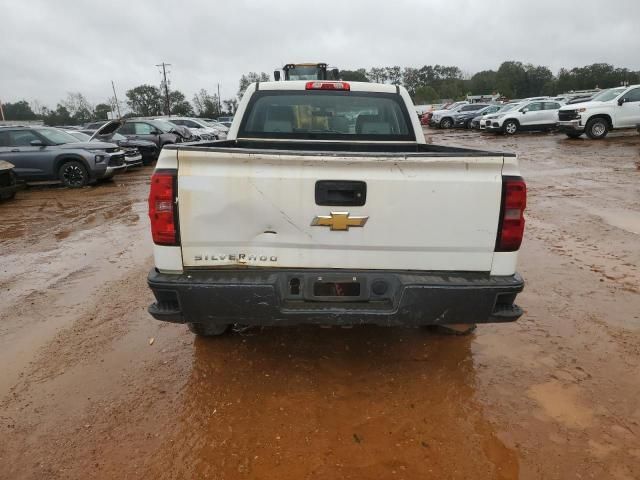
[341, 193]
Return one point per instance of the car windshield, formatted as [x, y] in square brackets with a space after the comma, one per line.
[608, 95]
[57, 137]
[456, 106]
[83, 137]
[113, 136]
[303, 73]
[163, 125]
[509, 107]
[322, 114]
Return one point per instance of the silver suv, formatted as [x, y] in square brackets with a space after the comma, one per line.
[49, 154]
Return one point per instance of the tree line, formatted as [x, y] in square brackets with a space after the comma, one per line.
[141, 101]
[512, 79]
[425, 84]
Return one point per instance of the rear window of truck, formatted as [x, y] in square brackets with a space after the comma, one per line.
[326, 115]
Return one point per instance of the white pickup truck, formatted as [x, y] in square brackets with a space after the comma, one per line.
[325, 205]
[611, 109]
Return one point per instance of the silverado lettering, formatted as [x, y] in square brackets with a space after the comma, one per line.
[240, 257]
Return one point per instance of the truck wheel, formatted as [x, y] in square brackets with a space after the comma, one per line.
[73, 174]
[7, 196]
[597, 128]
[573, 134]
[458, 329]
[510, 127]
[206, 330]
[446, 123]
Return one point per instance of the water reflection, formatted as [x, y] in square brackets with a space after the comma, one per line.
[334, 403]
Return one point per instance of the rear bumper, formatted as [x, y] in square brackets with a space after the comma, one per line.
[266, 297]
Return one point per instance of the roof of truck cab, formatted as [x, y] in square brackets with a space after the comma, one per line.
[302, 85]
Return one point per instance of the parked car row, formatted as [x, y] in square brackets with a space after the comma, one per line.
[595, 116]
[51, 154]
[78, 156]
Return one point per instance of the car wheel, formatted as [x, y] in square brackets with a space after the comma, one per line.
[208, 330]
[73, 174]
[573, 134]
[468, 125]
[446, 123]
[597, 128]
[510, 127]
[8, 196]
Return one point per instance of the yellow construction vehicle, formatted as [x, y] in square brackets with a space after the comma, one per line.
[307, 71]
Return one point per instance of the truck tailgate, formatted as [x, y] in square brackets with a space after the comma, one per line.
[433, 213]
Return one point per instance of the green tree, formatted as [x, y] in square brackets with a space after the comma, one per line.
[18, 111]
[206, 105]
[394, 75]
[248, 79]
[377, 75]
[411, 80]
[425, 94]
[451, 89]
[101, 112]
[179, 104]
[59, 116]
[511, 79]
[359, 75]
[145, 101]
[538, 77]
[79, 108]
[483, 83]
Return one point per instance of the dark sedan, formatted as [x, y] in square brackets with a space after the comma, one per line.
[147, 149]
[465, 119]
[159, 132]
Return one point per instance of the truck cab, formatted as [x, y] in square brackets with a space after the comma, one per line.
[612, 109]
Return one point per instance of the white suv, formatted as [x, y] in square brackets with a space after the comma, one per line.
[531, 115]
[610, 109]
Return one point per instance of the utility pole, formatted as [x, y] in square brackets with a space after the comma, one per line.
[219, 101]
[116, 99]
[166, 87]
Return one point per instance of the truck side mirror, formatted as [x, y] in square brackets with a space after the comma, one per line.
[276, 75]
[621, 101]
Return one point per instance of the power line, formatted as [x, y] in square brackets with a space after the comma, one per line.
[116, 98]
[167, 104]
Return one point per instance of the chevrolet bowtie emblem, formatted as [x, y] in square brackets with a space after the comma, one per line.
[338, 221]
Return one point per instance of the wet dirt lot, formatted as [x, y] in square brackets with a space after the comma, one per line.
[85, 393]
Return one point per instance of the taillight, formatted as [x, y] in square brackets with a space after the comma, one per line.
[514, 201]
[328, 86]
[162, 204]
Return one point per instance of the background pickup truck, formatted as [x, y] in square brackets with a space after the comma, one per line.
[611, 109]
[326, 206]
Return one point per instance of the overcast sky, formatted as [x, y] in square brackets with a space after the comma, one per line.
[51, 47]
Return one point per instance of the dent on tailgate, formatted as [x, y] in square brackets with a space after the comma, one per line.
[259, 210]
